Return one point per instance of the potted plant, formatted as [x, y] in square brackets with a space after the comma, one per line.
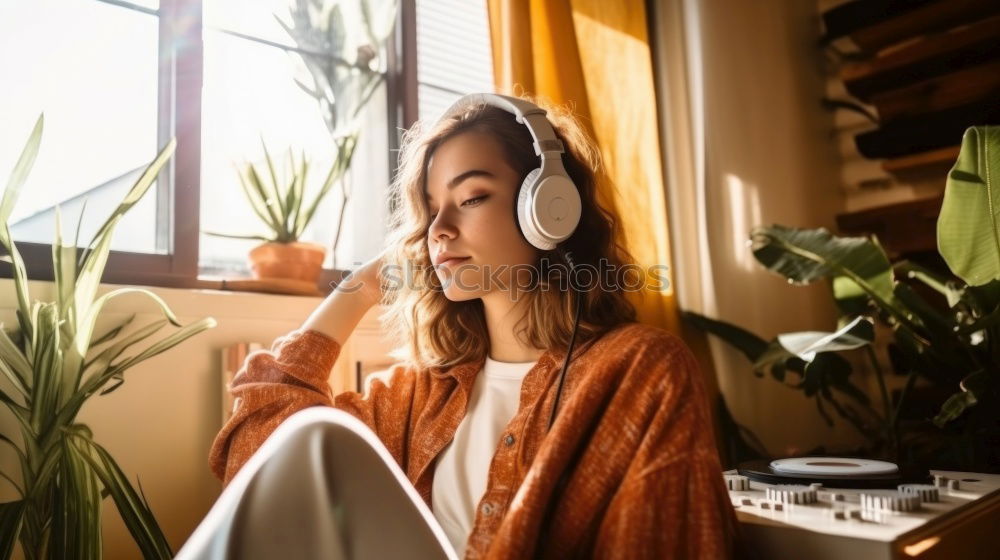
[278, 198]
[945, 330]
[53, 362]
[345, 61]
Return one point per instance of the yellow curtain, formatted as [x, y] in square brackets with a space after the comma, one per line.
[607, 78]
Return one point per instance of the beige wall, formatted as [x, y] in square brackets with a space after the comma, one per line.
[160, 423]
[757, 149]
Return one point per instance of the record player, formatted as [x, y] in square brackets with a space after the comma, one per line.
[843, 507]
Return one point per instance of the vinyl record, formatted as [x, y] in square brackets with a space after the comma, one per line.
[761, 471]
[840, 466]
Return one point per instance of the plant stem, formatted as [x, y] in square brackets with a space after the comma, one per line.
[340, 219]
[886, 404]
[911, 378]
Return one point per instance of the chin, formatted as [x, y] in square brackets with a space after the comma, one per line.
[456, 295]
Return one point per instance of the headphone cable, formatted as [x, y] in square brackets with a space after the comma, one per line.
[568, 257]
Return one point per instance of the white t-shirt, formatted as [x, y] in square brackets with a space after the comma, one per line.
[463, 467]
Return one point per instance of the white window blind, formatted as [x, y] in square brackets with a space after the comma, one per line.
[453, 53]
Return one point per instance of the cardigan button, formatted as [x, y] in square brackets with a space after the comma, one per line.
[509, 440]
[487, 508]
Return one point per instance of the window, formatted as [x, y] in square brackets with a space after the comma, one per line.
[101, 119]
[219, 75]
[453, 53]
[252, 66]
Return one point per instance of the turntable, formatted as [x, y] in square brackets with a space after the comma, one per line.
[837, 507]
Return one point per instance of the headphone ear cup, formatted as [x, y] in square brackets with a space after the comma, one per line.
[524, 208]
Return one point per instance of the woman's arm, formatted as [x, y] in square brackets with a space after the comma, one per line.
[343, 309]
[672, 502]
[293, 375]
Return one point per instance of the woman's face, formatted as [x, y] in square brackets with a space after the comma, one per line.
[471, 193]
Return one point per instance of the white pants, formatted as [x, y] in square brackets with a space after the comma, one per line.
[322, 486]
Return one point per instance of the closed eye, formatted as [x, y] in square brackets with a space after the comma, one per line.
[476, 200]
[471, 202]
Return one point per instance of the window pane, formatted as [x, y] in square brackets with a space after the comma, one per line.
[152, 4]
[453, 52]
[250, 17]
[97, 86]
[249, 92]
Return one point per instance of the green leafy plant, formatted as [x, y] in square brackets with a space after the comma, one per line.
[52, 363]
[945, 330]
[278, 197]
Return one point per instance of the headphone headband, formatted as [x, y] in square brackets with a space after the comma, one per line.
[526, 113]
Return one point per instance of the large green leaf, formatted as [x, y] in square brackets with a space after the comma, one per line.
[859, 332]
[22, 168]
[749, 344]
[132, 197]
[76, 515]
[858, 266]
[97, 380]
[12, 356]
[104, 359]
[968, 228]
[11, 518]
[132, 506]
[10, 195]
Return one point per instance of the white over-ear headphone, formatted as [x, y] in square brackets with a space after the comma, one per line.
[548, 203]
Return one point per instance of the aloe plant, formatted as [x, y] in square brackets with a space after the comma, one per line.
[278, 198]
[950, 341]
[347, 60]
[53, 363]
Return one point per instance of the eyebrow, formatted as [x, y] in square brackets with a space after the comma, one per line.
[457, 180]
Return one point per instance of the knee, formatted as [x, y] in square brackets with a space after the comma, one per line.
[320, 423]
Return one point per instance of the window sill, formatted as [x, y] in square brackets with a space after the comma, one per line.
[186, 303]
[324, 286]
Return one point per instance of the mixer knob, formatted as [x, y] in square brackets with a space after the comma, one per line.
[927, 492]
[790, 494]
[890, 502]
[736, 482]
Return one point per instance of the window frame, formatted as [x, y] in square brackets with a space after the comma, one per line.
[178, 187]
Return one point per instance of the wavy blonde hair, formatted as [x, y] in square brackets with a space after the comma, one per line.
[443, 333]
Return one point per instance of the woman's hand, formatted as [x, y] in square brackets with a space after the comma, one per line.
[366, 280]
[342, 310]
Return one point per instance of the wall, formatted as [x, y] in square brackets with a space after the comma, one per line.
[748, 143]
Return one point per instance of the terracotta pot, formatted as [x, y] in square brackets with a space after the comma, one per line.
[298, 261]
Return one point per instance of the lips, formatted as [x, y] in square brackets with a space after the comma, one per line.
[448, 257]
[453, 261]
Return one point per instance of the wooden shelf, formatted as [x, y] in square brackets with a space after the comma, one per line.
[939, 93]
[920, 21]
[924, 58]
[903, 228]
[923, 165]
[930, 69]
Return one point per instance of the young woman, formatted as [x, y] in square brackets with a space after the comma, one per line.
[628, 468]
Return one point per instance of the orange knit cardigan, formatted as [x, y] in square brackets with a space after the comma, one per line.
[633, 433]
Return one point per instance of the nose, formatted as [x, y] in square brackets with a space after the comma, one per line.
[441, 227]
